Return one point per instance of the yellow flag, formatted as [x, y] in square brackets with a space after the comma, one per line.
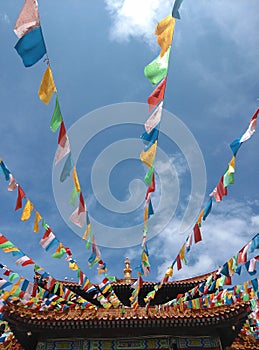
[26, 214]
[76, 181]
[232, 165]
[36, 222]
[73, 266]
[182, 252]
[200, 217]
[149, 156]
[87, 231]
[164, 31]
[47, 86]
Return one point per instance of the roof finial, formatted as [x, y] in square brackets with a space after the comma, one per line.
[127, 271]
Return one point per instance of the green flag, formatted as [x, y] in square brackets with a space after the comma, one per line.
[149, 174]
[57, 117]
[157, 69]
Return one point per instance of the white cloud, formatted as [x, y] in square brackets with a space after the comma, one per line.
[227, 229]
[136, 18]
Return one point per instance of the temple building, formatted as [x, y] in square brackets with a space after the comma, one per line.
[155, 327]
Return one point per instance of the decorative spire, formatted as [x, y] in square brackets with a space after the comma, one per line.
[127, 271]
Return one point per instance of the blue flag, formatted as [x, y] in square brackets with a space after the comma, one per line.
[235, 145]
[207, 209]
[150, 138]
[31, 47]
[68, 166]
[175, 12]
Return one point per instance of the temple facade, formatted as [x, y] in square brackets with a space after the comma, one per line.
[155, 327]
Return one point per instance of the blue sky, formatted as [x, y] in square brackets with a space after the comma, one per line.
[98, 51]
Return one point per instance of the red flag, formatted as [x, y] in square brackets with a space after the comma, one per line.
[221, 190]
[255, 115]
[81, 207]
[62, 134]
[152, 187]
[157, 95]
[21, 195]
[179, 264]
[197, 233]
[228, 281]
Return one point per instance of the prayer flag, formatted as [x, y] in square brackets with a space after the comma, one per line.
[157, 69]
[20, 196]
[31, 47]
[157, 95]
[28, 18]
[73, 196]
[60, 251]
[48, 241]
[25, 260]
[12, 183]
[76, 181]
[164, 31]
[177, 5]
[229, 174]
[5, 170]
[147, 157]
[56, 119]
[63, 144]
[152, 187]
[254, 243]
[68, 166]
[207, 209]
[47, 86]
[197, 233]
[251, 128]
[178, 261]
[235, 145]
[149, 175]
[150, 138]
[28, 208]
[36, 221]
[88, 227]
[78, 216]
[154, 119]
[150, 209]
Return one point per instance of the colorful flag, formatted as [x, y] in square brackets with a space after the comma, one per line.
[207, 209]
[56, 119]
[5, 170]
[229, 174]
[20, 196]
[197, 233]
[48, 241]
[36, 221]
[60, 251]
[88, 227]
[28, 208]
[150, 139]
[76, 181]
[157, 69]
[251, 128]
[152, 187]
[154, 119]
[177, 5]
[235, 145]
[164, 31]
[28, 18]
[25, 260]
[149, 175]
[78, 216]
[63, 144]
[12, 183]
[157, 95]
[148, 157]
[47, 86]
[68, 166]
[31, 47]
